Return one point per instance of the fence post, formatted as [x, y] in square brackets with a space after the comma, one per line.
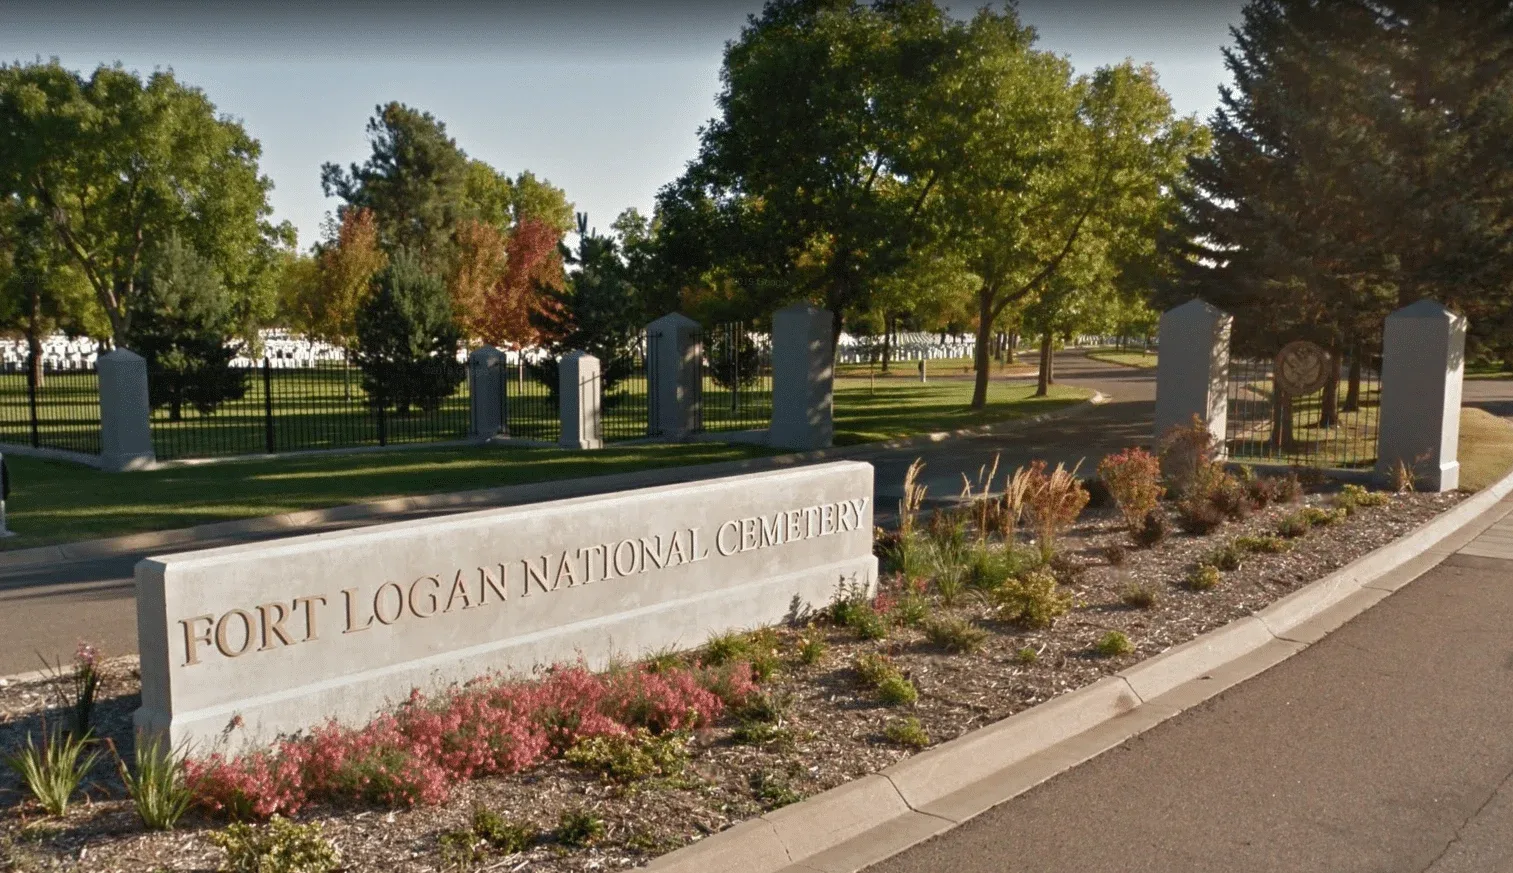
[1423, 361]
[486, 370]
[125, 412]
[673, 398]
[268, 404]
[803, 378]
[580, 393]
[1192, 373]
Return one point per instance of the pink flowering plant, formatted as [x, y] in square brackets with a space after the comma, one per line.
[489, 727]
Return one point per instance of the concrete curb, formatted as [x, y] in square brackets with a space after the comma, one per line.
[299, 522]
[857, 824]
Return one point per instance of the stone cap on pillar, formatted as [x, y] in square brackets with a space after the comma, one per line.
[485, 355]
[1196, 309]
[1427, 308]
[120, 355]
[670, 323]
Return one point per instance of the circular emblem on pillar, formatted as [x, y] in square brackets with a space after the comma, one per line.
[1302, 368]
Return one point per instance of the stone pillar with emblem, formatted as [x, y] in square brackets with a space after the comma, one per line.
[1192, 372]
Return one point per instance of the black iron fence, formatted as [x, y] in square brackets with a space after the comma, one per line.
[736, 383]
[1334, 426]
[59, 409]
[626, 383]
[531, 404]
[321, 405]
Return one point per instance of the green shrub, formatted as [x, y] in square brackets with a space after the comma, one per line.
[157, 789]
[872, 668]
[726, 648]
[53, 771]
[752, 732]
[625, 759]
[279, 847]
[1203, 577]
[1294, 526]
[897, 691]
[767, 706]
[1317, 516]
[907, 732]
[852, 609]
[955, 634]
[663, 660]
[1138, 596]
[991, 567]
[912, 609]
[1355, 496]
[812, 648]
[763, 648]
[500, 833]
[772, 789]
[1227, 557]
[1027, 655]
[579, 827]
[1114, 644]
[1262, 545]
[459, 849]
[1154, 530]
[1032, 600]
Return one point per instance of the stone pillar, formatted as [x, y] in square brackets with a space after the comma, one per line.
[486, 373]
[673, 395]
[125, 412]
[580, 392]
[1423, 360]
[1192, 373]
[803, 378]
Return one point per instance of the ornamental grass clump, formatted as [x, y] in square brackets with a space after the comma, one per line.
[1133, 479]
[1032, 600]
[907, 732]
[53, 771]
[1137, 595]
[954, 634]
[1052, 503]
[1114, 644]
[879, 674]
[156, 785]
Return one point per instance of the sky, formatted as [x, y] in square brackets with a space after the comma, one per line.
[604, 99]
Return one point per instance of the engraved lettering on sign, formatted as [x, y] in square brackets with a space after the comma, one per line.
[266, 627]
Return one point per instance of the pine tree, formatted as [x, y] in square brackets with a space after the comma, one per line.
[407, 338]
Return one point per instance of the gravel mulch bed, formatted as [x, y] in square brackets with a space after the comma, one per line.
[831, 731]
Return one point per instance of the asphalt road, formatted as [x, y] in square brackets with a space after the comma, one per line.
[45, 613]
[1384, 748]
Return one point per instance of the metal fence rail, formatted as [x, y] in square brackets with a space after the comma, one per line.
[736, 383]
[1335, 426]
[61, 411]
[625, 414]
[531, 405]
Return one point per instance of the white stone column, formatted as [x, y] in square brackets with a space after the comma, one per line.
[1192, 372]
[673, 395]
[580, 395]
[486, 394]
[125, 412]
[1423, 360]
[803, 378]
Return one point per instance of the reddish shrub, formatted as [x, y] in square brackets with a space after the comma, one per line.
[1133, 477]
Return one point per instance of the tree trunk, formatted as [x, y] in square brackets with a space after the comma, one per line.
[1281, 419]
[1353, 392]
[980, 351]
[835, 339]
[1329, 412]
[1043, 386]
[888, 323]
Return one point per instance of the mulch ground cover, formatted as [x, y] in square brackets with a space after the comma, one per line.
[822, 729]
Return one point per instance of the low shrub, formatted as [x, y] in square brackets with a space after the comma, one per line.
[1114, 644]
[725, 648]
[1153, 530]
[281, 846]
[907, 732]
[625, 758]
[1261, 491]
[1230, 496]
[500, 833]
[1027, 655]
[947, 528]
[579, 827]
[1293, 526]
[663, 660]
[954, 634]
[1115, 554]
[1133, 480]
[897, 691]
[1287, 488]
[851, 609]
[1033, 600]
[53, 771]
[991, 567]
[1318, 516]
[1227, 557]
[772, 789]
[812, 649]
[912, 609]
[768, 706]
[1184, 450]
[1352, 497]
[1310, 478]
[1137, 595]
[760, 733]
[1198, 516]
[1262, 545]
[1203, 577]
[872, 669]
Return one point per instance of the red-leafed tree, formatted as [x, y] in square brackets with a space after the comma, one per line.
[532, 261]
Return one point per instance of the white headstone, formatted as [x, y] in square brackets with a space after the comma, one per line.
[1192, 373]
[1423, 361]
[673, 394]
[125, 412]
[803, 378]
[580, 395]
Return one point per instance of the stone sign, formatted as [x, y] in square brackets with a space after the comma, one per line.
[241, 643]
[1302, 368]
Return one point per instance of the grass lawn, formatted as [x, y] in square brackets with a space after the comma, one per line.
[864, 413]
[939, 367]
[58, 502]
[1124, 359]
[1488, 370]
[1485, 449]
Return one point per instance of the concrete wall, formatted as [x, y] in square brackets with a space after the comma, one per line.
[286, 634]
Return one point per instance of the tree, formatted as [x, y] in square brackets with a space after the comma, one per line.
[596, 311]
[182, 323]
[41, 292]
[479, 266]
[406, 338]
[323, 295]
[805, 186]
[415, 180]
[532, 271]
[118, 164]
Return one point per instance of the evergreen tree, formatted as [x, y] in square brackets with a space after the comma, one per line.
[407, 339]
[183, 323]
